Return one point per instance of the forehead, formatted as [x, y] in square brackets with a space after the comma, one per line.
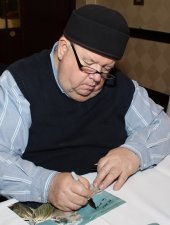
[86, 54]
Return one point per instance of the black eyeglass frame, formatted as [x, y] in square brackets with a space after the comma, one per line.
[87, 68]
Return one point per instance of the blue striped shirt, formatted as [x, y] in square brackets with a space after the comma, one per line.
[147, 126]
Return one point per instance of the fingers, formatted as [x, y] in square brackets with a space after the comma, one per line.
[120, 182]
[79, 194]
[67, 194]
[82, 187]
[116, 166]
[103, 173]
[85, 182]
[71, 202]
[106, 176]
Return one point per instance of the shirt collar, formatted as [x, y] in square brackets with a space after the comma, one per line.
[55, 72]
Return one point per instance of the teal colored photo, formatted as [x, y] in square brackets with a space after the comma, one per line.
[104, 202]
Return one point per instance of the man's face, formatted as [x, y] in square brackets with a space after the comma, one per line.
[78, 84]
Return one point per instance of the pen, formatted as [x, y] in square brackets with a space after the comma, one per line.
[90, 201]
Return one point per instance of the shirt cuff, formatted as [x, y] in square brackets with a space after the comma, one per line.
[142, 153]
[40, 185]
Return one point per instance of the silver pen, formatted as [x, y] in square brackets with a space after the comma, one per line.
[90, 201]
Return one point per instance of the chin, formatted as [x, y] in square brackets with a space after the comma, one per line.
[89, 95]
[83, 95]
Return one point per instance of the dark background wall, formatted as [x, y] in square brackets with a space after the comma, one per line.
[30, 25]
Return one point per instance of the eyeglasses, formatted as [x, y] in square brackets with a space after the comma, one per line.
[90, 70]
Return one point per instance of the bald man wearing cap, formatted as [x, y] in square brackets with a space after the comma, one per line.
[70, 109]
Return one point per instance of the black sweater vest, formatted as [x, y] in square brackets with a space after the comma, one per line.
[67, 135]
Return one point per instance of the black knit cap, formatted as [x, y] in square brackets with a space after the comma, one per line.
[98, 29]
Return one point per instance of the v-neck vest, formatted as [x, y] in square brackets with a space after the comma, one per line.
[67, 135]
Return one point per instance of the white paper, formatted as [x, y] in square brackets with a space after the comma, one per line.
[8, 217]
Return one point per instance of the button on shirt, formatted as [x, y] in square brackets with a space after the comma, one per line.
[147, 126]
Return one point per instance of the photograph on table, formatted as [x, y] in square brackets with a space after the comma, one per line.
[46, 214]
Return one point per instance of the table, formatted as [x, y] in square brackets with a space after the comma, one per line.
[147, 196]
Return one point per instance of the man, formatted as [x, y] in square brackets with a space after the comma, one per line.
[71, 110]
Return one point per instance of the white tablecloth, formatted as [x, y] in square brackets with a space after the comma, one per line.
[147, 196]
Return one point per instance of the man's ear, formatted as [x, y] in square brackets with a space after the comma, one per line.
[63, 44]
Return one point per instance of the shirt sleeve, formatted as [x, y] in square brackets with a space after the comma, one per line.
[19, 178]
[148, 129]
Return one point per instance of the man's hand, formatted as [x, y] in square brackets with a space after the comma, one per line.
[118, 164]
[67, 194]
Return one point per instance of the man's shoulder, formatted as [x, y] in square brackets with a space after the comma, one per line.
[30, 61]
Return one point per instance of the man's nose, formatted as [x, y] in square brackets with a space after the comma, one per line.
[95, 76]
